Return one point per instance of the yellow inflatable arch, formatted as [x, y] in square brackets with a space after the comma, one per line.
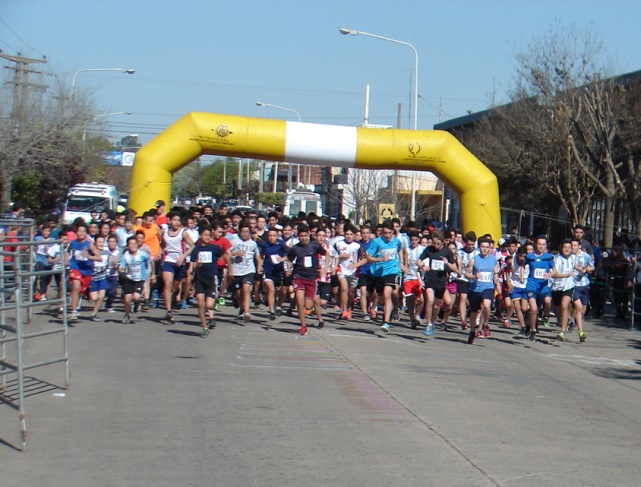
[196, 134]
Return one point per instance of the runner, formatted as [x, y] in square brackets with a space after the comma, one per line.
[482, 273]
[384, 255]
[465, 254]
[274, 253]
[83, 254]
[584, 265]
[562, 277]
[304, 256]
[99, 283]
[205, 271]
[177, 245]
[413, 286]
[245, 263]
[540, 263]
[348, 251]
[134, 268]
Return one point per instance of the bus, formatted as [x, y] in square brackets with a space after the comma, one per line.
[302, 199]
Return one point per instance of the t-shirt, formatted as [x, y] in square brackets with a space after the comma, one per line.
[225, 244]
[135, 265]
[379, 248]
[352, 249]
[242, 265]
[207, 256]
[271, 253]
[305, 258]
[436, 276]
[538, 265]
[77, 260]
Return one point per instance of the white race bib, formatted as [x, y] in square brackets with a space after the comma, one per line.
[438, 265]
[485, 277]
[307, 262]
[205, 257]
[539, 273]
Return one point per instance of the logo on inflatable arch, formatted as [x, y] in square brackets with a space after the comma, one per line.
[414, 148]
[222, 131]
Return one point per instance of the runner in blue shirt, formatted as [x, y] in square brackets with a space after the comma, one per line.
[540, 264]
[384, 255]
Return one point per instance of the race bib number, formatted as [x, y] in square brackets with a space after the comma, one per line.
[391, 253]
[307, 262]
[485, 277]
[539, 273]
[77, 254]
[205, 258]
[438, 265]
[275, 259]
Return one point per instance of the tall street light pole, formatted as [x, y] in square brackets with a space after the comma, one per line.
[75, 75]
[289, 165]
[353, 32]
[102, 115]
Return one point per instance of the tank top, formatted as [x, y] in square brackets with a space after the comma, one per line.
[174, 246]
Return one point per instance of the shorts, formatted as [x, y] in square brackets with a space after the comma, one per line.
[306, 285]
[412, 287]
[365, 280]
[85, 281]
[238, 281]
[541, 291]
[476, 299]
[334, 280]
[581, 293]
[179, 272]
[452, 288]
[557, 296]
[132, 287]
[206, 286]
[352, 281]
[439, 292]
[277, 279]
[391, 280]
[101, 285]
[519, 293]
[462, 286]
[323, 290]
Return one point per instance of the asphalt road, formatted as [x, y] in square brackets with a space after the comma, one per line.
[257, 404]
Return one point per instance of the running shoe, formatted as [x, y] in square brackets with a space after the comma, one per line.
[366, 318]
[372, 313]
[204, 333]
[137, 307]
[279, 311]
[570, 326]
[221, 301]
[247, 317]
[43, 298]
[290, 312]
[429, 329]
[216, 306]
[523, 331]
[73, 316]
[385, 328]
[507, 324]
[211, 323]
[480, 334]
[486, 331]
[272, 316]
[533, 335]
[321, 325]
[561, 336]
[348, 315]
[414, 324]
[303, 330]
[184, 305]
[111, 310]
[471, 338]
[582, 337]
[145, 305]
[170, 317]
[546, 322]
[126, 320]
[463, 325]
[95, 319]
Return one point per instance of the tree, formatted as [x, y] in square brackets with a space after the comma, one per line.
[563, 130]
[188, 182]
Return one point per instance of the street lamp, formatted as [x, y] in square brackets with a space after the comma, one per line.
[353, 32]
[289, 166]
[73, 80]
[102, 115]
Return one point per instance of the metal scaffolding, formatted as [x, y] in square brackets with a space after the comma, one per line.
[17, 303]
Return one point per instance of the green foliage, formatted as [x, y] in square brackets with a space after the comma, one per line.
[273, 199]
[213, 181]
[25, 188]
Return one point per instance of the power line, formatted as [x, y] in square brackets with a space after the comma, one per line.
[20, 38]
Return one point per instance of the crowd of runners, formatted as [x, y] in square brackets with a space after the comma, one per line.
[312, 266]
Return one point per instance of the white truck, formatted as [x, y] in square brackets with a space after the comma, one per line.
[302, 199]
[82, 199]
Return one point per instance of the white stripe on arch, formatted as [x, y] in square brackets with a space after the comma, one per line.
[322, 145]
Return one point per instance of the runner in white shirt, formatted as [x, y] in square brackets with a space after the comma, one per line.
[245, 263]
[413, 287]
[348, 251]
[562, 277]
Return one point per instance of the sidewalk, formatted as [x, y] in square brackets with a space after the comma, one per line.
[257, 404]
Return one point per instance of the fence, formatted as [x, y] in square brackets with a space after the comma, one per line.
[17, 303]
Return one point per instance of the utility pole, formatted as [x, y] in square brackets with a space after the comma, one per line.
[21, 84]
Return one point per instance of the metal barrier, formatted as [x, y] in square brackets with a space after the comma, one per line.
[17, 279]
